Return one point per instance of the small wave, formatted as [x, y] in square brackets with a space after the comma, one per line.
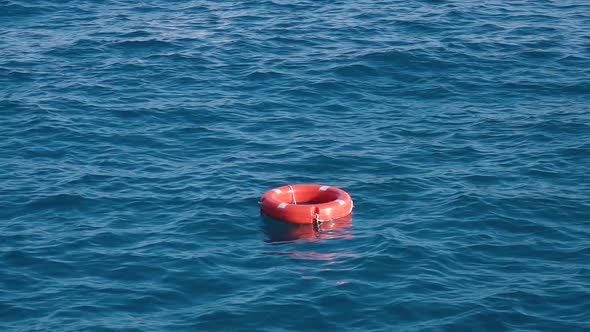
[355, 70]
[145, 44]
[264, 75]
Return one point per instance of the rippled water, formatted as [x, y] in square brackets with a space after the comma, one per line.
[137, 137]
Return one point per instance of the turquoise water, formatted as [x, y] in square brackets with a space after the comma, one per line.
[136, 139]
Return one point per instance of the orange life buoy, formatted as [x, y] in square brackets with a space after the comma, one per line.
[306, 203]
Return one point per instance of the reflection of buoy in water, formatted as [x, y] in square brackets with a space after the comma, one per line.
[279, 232]
[306, 203]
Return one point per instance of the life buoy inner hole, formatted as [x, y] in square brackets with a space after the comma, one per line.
[308, 197]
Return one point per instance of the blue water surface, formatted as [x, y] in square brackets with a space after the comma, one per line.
[136, 138]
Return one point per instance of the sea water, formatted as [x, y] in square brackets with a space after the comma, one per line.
[136, 138]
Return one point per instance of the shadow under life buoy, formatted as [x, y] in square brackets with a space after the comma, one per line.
[283, 232]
